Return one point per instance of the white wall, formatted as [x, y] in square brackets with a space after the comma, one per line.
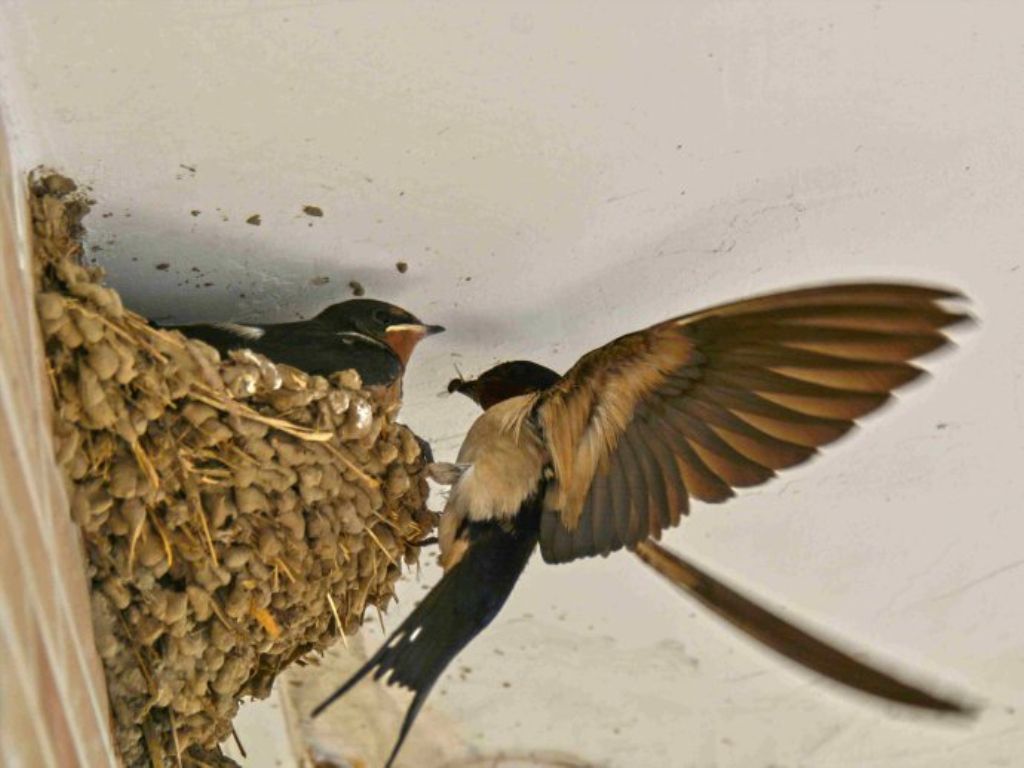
[555, 175]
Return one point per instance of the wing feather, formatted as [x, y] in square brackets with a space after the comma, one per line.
[700, 480]
[640, 495]
[828, 370]
[721, 399]
[655, 482]
[655, 440]
[601, 520]
[748, 414]
[732, 466]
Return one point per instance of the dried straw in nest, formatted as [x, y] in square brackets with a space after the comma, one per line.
[237, 515]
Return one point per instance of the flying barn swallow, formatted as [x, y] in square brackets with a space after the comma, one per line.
[610, 454]
[523, 377]
[374, 338]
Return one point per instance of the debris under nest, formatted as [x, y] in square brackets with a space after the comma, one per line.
[235, 514]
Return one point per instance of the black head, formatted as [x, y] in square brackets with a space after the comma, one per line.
[511, 379]
[398, 328]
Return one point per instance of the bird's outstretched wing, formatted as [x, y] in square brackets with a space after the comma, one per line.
[786, 638]
[720, 399]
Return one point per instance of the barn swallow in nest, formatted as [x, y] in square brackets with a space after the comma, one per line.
[609, 455]
[374, 338]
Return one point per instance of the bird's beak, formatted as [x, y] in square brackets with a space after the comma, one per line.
[465, 386]
[418, 329]
[404, 337]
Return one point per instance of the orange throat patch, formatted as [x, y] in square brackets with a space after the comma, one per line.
[403, 342]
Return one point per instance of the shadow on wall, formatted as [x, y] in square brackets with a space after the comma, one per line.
[178, 268]
[173, 271]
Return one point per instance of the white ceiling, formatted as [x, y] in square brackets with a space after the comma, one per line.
[556, 175]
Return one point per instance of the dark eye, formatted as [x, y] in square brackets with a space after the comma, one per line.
[383, 317]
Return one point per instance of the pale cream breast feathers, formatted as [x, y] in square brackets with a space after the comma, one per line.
[505, 459]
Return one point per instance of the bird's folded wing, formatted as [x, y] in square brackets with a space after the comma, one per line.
[720, 399]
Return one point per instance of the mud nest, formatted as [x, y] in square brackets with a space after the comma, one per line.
[236, 515]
